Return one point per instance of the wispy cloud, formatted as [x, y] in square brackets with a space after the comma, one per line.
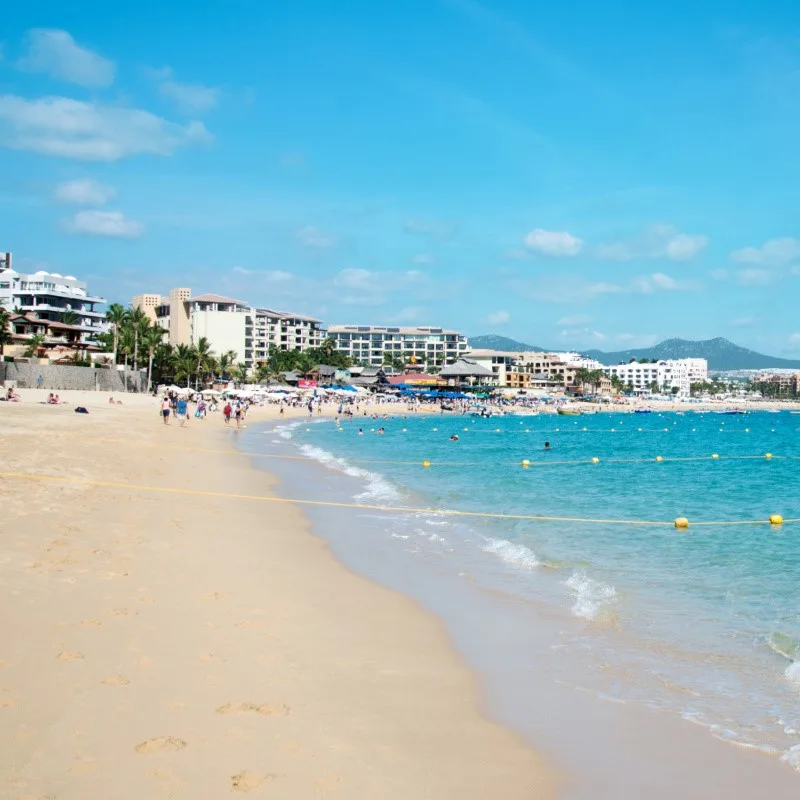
[84, 192]
[113, 224]
[313, 237]
[189, 98]
[554, 289]
[773, 253]
[423, 259]
[573, 320]
[55, 53]
[656, 241]
[89, 131]
[754, 276]
[497, 318]
[553, 243]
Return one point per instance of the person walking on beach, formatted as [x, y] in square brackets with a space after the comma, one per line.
[226, 412]
[165, 410]
[182, 408]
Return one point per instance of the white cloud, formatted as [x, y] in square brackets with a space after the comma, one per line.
[553, 289]
[554, 243]
[657, 241]
[753, 276]
[409, 314]
[84, 192]
[356, 279]
[190, 98]
[572, 321]
[719, 274]
[743, 322]
[55, 53]
[313, 237]
[270, 275]
[773, 253]
[423, 258]
[88, 131]
[581, 335]
[498, 318]
[105, 223]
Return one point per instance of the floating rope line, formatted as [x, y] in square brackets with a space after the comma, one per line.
[681, 522]
[427, 462]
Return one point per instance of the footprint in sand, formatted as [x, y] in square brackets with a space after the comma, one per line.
[249, 623]
[65, 655]
[247, 781]
[90, 623]
[160, 744]
[214, 596]
[116, 680]
[239, 709]
[121, 612]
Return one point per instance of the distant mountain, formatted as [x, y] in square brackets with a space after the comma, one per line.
[494, 342]
[720, 353]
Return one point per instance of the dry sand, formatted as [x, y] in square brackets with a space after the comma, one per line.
[169, 645]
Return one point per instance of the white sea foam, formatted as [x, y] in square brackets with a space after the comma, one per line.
[792, 672]
[511, 553]
[378, 489]
[792, 757]
[591, 597]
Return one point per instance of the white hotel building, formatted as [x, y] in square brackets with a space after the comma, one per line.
[666, 375]
[229, 325]
[48, 296]
[367, 344]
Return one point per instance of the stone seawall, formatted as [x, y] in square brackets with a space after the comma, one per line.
[56, 377]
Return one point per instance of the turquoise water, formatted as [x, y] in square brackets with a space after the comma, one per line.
[703, 622]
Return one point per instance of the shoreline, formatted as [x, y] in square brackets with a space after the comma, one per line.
[608, 749]
[170, 644]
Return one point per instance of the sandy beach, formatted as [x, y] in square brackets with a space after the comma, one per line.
[191, 645]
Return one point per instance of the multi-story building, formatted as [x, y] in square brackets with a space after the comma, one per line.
[229, 325]
[525, 369]
[284, 330]
[673, 376]
[52, 297]
[368, 344]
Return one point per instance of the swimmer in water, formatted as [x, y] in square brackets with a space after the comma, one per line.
[360, 432]
[547, 445]
[454, 438]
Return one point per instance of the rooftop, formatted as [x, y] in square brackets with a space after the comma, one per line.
[464, 368]
[391, 329]
[215, 298]
[286, 315]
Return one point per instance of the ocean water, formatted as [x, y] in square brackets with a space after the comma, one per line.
[702, 624]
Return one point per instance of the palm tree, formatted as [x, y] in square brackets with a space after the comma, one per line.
[125, 343]
[116, 315]
[69, 317]
[184, 362]
[5, 334]
[35, 343]
[393, 361]
[226, 361]
[151, 339]
[205, 357]
[139, 322]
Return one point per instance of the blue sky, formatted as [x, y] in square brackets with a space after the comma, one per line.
[573, 174]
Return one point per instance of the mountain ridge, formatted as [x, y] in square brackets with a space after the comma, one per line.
[721, 353]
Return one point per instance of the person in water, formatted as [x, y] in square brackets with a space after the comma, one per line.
[454, 438]
[547, 445]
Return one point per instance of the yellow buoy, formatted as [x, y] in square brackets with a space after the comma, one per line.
[595, 460]
[715, 456]
[585, 429]
[747, 430]
[497, 430]
[768, 456]
[426, 463]
[525, 463]
[776, 519]
[681, 522]
[659, 458]
[666, 430]
[436, 429]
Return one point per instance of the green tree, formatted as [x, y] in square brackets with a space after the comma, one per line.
[616, 383]
[205, 358]
[34, 345]
[226, 362]
[116, 315]
[393, 361]
[69, 317]
[5, 333]
[139, 323]
[184, 363]
[151, 340]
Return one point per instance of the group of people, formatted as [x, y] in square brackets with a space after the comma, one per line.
[178, 406]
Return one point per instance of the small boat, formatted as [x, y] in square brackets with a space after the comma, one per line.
[642, 411]
[569, 412]
[731, 411]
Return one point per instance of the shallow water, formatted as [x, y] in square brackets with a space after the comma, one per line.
[703, 624]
